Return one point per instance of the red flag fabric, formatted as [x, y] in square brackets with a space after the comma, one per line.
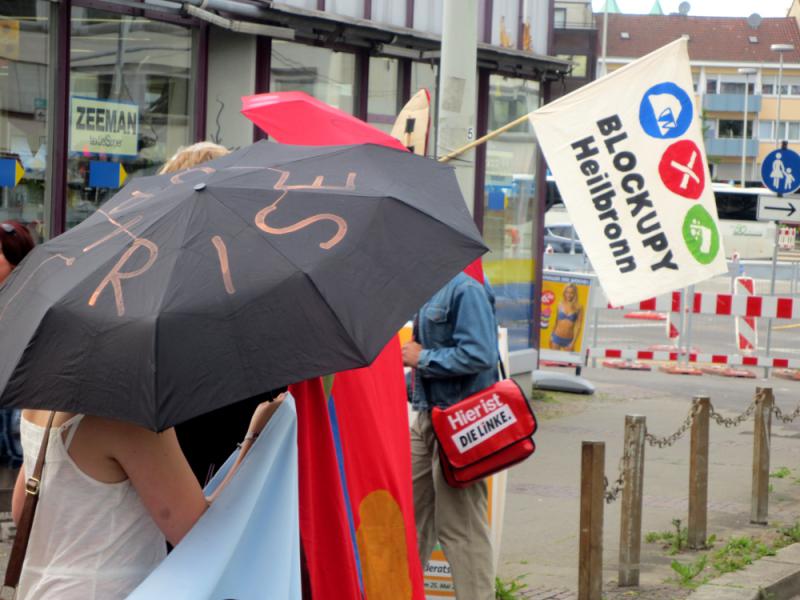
[297, 118]
[324, 532]
[475, 270]
[372, 415]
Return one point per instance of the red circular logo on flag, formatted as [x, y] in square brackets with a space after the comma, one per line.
[682, 169]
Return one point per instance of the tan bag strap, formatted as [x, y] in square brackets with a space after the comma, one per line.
[32, 485]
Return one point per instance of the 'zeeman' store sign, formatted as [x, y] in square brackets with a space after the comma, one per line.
[103, 127]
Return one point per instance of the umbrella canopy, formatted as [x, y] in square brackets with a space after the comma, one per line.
[186, 292]
[297, 118]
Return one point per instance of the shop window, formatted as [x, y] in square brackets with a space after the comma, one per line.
[509, 201]
[23, 112]
[327, 75]
[384, 92]
[129, 103]
[732, 128]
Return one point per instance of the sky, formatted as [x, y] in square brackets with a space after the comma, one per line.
[715, 8]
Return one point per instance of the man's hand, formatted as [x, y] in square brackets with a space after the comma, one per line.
[411, 352]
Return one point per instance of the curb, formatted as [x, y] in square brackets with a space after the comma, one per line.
[775, 577]
[729, 372]
[791, 374]
[628, 365]
[679, 370]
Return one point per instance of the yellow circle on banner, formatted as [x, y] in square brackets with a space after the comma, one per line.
[382, 547]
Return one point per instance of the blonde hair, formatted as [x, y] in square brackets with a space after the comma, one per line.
[575, 304]
[193, 155]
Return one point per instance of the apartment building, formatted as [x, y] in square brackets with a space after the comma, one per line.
[736, 64]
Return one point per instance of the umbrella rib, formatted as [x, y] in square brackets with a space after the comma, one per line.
[294, 265]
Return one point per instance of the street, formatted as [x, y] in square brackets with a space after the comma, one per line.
[540, 539]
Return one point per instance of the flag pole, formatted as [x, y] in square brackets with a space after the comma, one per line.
[484, 139]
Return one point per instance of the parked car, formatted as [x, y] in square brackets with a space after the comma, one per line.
[561, 237]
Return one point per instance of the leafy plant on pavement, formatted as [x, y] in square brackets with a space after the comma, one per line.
[688, 572]
[736, 554]
[508, 590]
[675, 541]
[781, 473]
[788, 535]
[739, 552]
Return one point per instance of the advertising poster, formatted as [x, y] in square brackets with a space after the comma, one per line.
[103, 127]
[627, 153]
[564, 315]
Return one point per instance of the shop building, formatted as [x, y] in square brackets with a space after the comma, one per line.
[94, 92]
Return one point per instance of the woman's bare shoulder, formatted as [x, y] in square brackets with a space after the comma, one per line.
[121, 433]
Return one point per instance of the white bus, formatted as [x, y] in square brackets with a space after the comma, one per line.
[736, 207]
[741, 232]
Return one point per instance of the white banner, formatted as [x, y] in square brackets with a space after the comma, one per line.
[627, 154]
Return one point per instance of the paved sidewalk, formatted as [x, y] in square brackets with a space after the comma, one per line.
[540, 537]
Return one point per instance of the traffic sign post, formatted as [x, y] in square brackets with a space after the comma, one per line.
[780, 172]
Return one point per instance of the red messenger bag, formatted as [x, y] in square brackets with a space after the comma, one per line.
[484, 433]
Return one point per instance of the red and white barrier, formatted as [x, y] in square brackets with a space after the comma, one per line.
[776, 307]
[673, 333]
[746, 327]
[786, 237]
[694, 357]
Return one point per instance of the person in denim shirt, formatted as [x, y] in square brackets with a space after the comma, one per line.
[454, 355]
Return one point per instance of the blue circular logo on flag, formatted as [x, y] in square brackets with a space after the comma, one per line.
[665, 111]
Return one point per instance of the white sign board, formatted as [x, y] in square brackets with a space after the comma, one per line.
[773, 208]
[627, 154]
[103, 127]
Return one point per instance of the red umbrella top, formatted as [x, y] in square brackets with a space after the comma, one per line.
[297, 118]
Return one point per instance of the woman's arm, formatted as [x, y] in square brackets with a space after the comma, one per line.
[18, 498]
[161, 476]
[261, 416]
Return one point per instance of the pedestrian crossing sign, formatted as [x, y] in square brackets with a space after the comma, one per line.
[780, 170]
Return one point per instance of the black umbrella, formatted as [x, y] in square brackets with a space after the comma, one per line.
[186, 292]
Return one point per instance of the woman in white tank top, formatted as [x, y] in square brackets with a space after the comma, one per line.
[111, 493]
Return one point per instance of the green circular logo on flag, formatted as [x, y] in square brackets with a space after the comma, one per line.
[701, 234]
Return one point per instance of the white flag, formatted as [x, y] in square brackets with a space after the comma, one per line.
[627, 154]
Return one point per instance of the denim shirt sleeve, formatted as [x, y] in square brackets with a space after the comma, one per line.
[474, 346]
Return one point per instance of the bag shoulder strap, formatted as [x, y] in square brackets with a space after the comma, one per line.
[32, 487]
